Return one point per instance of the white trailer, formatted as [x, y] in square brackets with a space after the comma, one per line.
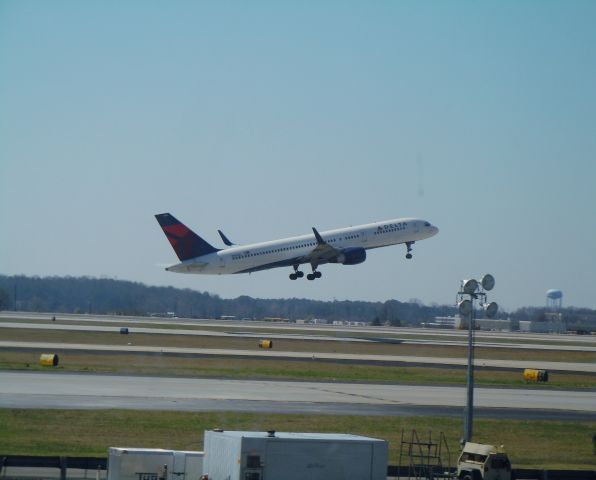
[153, 464]
[234, 455]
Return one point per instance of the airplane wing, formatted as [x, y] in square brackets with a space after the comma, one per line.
[323, 252]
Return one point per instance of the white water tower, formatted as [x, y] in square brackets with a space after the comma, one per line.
[554, 300]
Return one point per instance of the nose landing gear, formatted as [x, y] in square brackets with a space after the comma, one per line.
[409, 249]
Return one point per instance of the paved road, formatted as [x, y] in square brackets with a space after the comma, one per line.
[58, 390]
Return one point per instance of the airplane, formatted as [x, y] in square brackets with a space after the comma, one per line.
[346, 246]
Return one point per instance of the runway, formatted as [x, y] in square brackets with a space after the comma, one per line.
[291, 336]
[327, 332]
[58, 390]
[94, 391]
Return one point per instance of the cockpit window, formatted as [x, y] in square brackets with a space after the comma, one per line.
[426, 224]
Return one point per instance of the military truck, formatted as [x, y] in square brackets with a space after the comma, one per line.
[483, 462]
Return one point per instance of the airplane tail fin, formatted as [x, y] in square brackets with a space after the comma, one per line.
[186, 243]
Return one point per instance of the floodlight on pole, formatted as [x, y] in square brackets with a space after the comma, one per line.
[470, 291]
[490, 309]
[470, 286]
[465, 307]
[488, 282]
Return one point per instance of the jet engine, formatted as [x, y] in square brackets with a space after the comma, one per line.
[351, 256]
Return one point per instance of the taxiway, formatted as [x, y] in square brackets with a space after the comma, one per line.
[92, 391]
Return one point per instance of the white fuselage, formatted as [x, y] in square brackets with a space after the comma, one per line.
[296, 250]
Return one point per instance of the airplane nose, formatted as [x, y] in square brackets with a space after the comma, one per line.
[434, 230]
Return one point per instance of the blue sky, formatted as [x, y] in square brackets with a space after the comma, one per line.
[267, 118]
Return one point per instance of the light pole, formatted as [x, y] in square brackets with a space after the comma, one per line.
[470, 291]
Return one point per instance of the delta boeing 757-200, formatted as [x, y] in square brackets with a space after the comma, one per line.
[345, 245]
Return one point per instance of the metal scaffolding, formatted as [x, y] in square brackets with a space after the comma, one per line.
[425, 459]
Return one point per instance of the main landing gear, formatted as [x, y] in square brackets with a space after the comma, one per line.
[315, 273]
[311, 276]
[297, 273]
[409, 249]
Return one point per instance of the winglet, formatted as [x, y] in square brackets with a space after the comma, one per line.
[320, 240]
[225, 239]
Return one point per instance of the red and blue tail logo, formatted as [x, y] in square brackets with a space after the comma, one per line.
[186, 243]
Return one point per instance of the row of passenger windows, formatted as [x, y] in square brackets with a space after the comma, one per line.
[275, 250]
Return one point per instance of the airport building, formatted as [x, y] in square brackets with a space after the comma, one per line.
[488, 324]
[459, 323]
[552, 323]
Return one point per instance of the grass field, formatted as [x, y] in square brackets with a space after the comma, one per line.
[539, 444]
[279, 369]
[370, 348]
[283, 369]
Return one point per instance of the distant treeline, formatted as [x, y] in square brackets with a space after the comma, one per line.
[119, 297]
[109, 296]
